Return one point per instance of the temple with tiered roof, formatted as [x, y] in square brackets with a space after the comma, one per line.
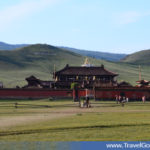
[87, 76]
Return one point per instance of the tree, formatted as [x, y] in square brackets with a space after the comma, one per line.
[74, 85]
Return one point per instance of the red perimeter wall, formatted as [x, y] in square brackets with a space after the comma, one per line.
[101, 93]
[34, 93]
[131, 93]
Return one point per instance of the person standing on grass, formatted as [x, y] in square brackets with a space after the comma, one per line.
[87, 101]
[143, 99]
[117, 99]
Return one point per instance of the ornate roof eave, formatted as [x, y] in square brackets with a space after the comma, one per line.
[77, 73]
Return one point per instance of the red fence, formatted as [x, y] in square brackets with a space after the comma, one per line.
[131, 93]
[34, 93]
[100, 93]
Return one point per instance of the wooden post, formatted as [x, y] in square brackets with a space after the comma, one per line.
[16, 105]
[75, 95]
[94, 91]
[139, 73]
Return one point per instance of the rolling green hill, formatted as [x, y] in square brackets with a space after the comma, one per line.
[141, 57]
[5, 46]
[35, 60]
[97, 54]
[39, 60]
[94, 54]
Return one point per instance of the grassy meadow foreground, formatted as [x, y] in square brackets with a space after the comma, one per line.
[44, 120]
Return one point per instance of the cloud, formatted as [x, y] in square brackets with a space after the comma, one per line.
[14, 12]
[129, 17]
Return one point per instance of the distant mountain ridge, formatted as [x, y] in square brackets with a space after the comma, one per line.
[6, 46]
[37, 60]
[141, 58]
[38, 56]
[97, 54]
[93, 54]
[41, 60]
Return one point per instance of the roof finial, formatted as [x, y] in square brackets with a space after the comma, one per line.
[86, 63]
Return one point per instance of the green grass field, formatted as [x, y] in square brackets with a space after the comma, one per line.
[63, 120]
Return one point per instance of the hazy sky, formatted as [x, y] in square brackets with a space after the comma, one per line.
[119, 26]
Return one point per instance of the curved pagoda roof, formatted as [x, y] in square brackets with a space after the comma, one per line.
[88, 71]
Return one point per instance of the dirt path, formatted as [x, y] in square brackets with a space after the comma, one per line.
[8, 121]
[28, 119]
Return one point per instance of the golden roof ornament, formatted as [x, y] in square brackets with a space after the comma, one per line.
[86, 63]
